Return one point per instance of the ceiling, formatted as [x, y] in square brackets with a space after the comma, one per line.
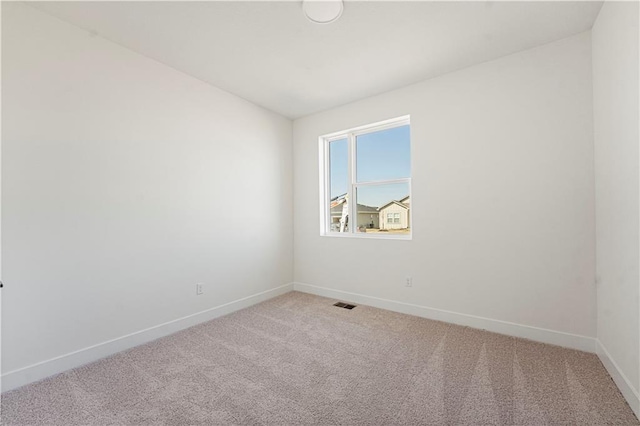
[270, 54]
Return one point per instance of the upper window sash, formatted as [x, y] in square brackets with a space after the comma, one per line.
[370, 128]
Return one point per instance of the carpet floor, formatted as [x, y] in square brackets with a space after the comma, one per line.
[298, 360]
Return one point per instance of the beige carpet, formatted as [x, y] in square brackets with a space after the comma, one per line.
[298, 360]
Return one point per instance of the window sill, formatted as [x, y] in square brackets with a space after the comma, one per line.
[365, 236]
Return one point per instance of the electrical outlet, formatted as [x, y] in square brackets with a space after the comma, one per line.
[199, 289]
[409, 282]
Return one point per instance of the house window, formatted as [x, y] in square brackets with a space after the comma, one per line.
[366, 181]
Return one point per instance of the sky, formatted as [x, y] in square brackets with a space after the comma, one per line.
[379, 156]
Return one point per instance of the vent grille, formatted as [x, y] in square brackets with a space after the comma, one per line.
[344, 305]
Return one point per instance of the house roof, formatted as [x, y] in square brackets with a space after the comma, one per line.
[365, 209]
[394, 202]
[362, 208]
[336, 201]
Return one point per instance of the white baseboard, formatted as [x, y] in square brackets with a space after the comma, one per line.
[16, 378]
[559, 338]
[621, 380]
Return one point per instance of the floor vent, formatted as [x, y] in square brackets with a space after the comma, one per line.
[344, 305]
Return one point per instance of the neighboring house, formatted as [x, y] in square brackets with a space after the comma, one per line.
[367, 215]
[395, 214]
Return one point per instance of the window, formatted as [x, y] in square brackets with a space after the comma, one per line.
[372, 166]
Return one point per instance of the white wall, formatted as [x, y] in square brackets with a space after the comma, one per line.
[502, 194]
[125, 183]
[615, 94]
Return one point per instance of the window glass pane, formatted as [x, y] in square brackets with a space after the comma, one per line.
[385, 154]
[338, 171]
[383, 208]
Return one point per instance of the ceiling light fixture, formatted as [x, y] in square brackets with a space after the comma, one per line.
[322, 11]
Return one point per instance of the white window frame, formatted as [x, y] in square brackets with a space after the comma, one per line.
[353, 184]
